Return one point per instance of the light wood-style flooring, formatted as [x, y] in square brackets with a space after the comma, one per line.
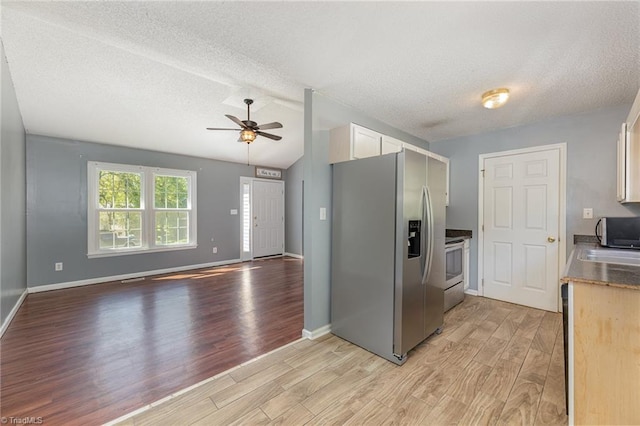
[88, 355]
[494, 363]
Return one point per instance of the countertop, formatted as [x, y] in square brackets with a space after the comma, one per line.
[600, 273]
[453, 236]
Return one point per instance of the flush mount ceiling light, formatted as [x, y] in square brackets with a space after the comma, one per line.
[495, 98]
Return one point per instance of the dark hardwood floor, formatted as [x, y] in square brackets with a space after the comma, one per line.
[91, 354]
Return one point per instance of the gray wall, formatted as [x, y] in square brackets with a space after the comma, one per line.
[57, 206]
[13, 252]
[591, 169]
[322, 114]
[293, 208]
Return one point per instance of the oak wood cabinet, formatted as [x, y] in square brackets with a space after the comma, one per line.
[604, 354]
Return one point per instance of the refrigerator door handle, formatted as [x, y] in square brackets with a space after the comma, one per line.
[423, 234]
[428, 223]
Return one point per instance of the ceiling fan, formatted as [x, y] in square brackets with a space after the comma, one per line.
[250, 129]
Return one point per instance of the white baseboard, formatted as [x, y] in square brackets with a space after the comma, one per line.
[314, 334]
[13, 312]
[70, 284]
[297, 256]
[471, 292]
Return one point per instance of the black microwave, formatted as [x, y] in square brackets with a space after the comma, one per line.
[619, 232]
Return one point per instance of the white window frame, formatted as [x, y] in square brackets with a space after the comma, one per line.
[147, 207]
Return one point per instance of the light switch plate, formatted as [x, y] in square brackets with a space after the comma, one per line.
[323, 213]
[234, 212]
[587, 213]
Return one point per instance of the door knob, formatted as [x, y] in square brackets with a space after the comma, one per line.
[551, 239]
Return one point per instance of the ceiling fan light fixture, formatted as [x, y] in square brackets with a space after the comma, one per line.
[247, 135]
[495, 98]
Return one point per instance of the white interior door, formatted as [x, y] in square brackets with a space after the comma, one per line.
[521, 228]
[267, 201]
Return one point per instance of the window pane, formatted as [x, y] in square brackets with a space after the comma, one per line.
[246, 218]
[182, 200]
[120, 229]
[171, 192]
[119, 190]
[172, 228]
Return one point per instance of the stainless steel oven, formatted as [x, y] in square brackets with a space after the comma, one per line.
[454, 287]
[454, 254]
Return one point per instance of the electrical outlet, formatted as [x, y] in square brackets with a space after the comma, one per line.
[58, 266]
[587, 213]
[215, 250]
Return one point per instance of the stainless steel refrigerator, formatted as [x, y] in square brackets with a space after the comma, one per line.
[387, 252]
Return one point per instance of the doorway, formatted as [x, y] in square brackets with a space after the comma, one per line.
[262, 218]
[521, 248]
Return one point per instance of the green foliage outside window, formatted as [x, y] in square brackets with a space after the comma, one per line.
[119, 190]
[119, 198]
[117, 193]
[172, 227]
[171, 192]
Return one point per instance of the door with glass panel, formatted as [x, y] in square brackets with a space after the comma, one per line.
[262, 218]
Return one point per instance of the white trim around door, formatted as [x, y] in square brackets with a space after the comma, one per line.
[562, 219]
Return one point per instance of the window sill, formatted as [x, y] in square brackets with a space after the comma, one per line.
[128, 252]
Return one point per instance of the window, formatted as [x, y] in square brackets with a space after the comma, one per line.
[135, 209]
[246, 217]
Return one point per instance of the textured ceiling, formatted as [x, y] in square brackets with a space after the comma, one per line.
[153, 75]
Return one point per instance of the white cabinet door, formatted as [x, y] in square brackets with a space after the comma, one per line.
[622, 169]
[390, 145]
[365, 142]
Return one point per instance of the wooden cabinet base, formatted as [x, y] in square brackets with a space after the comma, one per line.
[606, 355]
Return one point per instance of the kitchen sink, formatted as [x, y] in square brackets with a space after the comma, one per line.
[606, 255]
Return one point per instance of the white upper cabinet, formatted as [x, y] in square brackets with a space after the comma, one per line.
[629, 157]
[366, 143]
[390, 145]
[622, 159]
[351, 142]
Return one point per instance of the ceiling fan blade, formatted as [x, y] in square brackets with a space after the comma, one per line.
[236, 120]
[269, 135]
[218, 128]
[274, 125]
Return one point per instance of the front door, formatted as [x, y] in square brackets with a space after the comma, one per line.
[521, 226]
[268, 217]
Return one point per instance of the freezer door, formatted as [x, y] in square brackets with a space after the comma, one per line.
[363, 253]
[410, 256]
